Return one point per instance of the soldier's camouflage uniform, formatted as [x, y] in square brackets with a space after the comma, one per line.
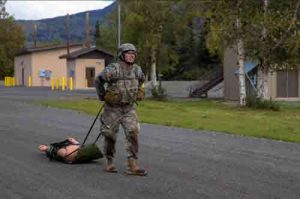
[120, 85]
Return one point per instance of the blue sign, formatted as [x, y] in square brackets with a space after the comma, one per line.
[45, 73]
[71, 73]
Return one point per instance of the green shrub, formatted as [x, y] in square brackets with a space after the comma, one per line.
[159, 93]
[258, 103]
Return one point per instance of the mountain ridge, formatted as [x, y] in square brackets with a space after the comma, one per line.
[54, 29]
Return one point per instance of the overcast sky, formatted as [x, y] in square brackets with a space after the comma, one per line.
[48, 9]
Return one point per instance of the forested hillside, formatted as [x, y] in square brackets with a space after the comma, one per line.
[54, 29]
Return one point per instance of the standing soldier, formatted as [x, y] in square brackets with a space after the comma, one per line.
[120, 85]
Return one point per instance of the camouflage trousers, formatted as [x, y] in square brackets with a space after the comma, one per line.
[111, 119]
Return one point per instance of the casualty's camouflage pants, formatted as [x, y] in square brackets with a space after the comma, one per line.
[111, 118]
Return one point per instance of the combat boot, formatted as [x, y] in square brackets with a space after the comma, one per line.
[134, 169]
[110, 167]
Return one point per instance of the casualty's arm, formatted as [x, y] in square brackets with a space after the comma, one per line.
[73, 141]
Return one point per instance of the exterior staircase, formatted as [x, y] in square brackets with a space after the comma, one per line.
[202, 89]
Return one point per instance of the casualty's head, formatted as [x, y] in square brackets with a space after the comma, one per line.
[127, 53]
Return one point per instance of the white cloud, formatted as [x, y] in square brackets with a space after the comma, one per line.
[32, 10]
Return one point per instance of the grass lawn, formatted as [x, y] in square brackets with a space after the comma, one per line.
[209, 115]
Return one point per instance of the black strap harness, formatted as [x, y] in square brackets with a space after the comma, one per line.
[87, 135]
[54, 147]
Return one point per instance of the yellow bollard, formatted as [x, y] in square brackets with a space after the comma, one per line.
[63, 83]
[29, 81]
[9, 81]
[52, 84]
[13, 81]
[5, 81]
[71, 83]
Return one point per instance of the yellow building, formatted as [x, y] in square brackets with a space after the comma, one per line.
[83, 65]
[41, 64]
[45, 65]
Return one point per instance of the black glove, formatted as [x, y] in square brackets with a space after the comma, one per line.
[101, 97]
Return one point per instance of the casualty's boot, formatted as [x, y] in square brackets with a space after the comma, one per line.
[110, 167]
[134, 169]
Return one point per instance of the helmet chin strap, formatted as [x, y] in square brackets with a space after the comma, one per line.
[129, 63]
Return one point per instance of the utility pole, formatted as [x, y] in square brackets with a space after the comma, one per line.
[34, 34]
[119, 23]
[87, 31]
[68, 33]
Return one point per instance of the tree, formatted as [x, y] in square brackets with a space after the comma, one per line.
[145, 25]
[265, 30]
[241, 56]
[169, 36]
[57, 41]
[3, 13]
[190, 29]
[276, 46]
[227, 22]
[12, 39]
[108, 34]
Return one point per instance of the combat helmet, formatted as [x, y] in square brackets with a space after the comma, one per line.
[124, 48]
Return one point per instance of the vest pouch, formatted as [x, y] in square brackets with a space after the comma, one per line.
[113, 96]
[106, 131]
[140, 94]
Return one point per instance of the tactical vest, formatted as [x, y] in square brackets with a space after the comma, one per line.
[124, 87]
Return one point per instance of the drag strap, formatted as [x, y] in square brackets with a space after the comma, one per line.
[92, 125]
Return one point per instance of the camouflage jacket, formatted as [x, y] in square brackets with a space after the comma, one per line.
[121, 81]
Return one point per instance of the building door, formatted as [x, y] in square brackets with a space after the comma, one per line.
[287, 83]
[292, 83]
[90, 76]
[23, 77]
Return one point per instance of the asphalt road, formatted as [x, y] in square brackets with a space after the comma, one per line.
[181, 163]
